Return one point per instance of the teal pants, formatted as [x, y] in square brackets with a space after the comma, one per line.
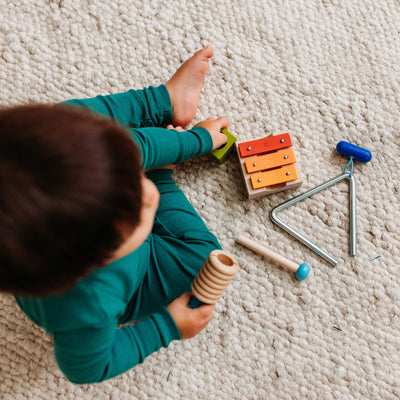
[179, 243]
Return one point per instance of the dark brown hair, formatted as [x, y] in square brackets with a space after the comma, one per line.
[67, 179]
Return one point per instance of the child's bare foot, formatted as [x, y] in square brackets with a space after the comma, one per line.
[185, 86]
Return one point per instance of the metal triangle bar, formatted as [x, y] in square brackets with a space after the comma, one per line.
[353, 234]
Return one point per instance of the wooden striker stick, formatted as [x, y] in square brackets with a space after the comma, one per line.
[301, 270]
[290, 265]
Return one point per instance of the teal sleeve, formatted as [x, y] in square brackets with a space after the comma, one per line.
[98, 353]
[160, 147]
[137, 108]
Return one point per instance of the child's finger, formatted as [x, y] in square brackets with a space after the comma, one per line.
[223, 121]
[185, 297]
[205, 312]
[177, 128]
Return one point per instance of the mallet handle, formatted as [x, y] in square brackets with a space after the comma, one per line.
[290, 265]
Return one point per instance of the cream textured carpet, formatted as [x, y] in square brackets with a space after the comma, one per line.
[327, 70]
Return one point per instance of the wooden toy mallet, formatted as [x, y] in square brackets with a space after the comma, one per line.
[301, 270]
[213, 278]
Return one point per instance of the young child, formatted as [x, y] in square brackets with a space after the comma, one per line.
[95, 233]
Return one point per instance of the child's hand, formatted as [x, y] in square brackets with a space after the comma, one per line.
[190, 321]
[214, 126]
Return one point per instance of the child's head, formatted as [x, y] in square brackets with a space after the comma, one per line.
[68, 181]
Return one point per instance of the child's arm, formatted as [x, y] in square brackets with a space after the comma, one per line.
[150, 107]
[137, 108]
[161, 147]
[99, 353]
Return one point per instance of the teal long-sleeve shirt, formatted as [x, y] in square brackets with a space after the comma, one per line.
[88, 346]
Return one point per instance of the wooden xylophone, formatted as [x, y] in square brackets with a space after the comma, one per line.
[268, 165]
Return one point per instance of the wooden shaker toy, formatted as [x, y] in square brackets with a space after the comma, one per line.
[213, 278]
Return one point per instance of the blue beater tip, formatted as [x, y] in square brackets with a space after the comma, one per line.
[303, 271]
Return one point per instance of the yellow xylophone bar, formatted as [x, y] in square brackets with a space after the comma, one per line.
[273, 177]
